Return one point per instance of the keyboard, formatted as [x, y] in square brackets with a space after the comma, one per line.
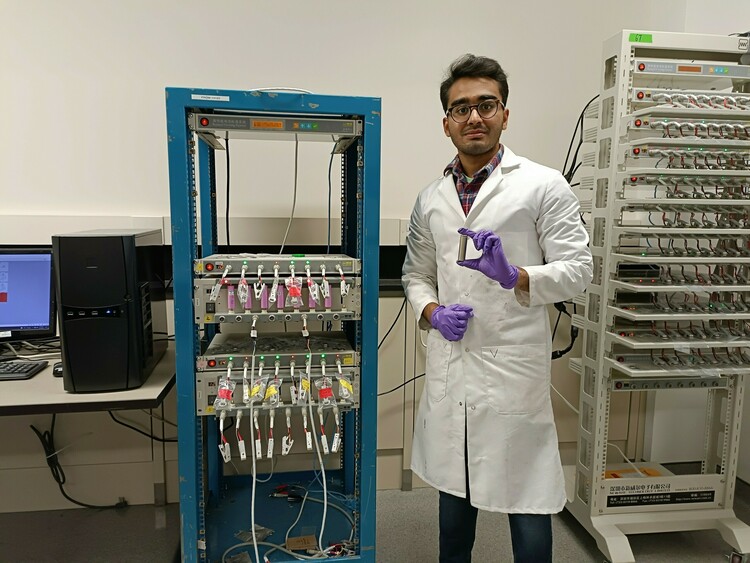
[20, 369]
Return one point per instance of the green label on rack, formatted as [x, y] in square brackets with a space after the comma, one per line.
[641, 38]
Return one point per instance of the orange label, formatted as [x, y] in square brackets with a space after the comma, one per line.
[268, 124]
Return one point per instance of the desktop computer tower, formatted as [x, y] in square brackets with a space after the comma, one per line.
[112, 307]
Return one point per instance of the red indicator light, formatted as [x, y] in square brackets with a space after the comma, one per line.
[209, 267]
[634, 179]
[618, 384]
[638, 122]
[636, 151]
[640, 95]
[204, 121]
[620, 359]
[641, 66]
[212, 363]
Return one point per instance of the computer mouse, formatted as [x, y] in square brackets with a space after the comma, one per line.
[57, 369]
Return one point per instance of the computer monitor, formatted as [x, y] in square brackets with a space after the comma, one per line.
[27, 294]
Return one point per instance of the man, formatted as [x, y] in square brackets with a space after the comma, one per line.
[485, 434]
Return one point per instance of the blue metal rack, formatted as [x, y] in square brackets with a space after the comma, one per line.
[206, 497]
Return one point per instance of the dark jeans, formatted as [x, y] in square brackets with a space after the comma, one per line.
[531, 534]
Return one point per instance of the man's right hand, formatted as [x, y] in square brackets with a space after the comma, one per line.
[452, 321]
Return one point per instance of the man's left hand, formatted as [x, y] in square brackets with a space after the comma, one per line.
[492, 263]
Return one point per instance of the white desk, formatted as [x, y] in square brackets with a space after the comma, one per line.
[44, 393]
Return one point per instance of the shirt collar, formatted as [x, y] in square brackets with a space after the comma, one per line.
[455, 168]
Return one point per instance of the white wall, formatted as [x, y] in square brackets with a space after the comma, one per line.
[83, 95]
[83, 119]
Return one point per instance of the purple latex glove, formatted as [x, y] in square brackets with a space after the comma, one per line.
[452, 321]
[492, 263]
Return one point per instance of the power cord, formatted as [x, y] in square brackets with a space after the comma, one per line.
[330, 166]
[400, 386]
[146, 434]
[294, 200]
[570, 172]
[398, 316]
[226, 218]
[562, 310]
[47, 438]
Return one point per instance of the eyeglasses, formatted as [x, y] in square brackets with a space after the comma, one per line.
[486, 109]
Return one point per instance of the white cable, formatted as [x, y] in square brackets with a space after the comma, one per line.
[280, 89]
[273, 465]
[294, 200]
[252, 498]
[575, 410]
[322, 469]
[44, 356]
[7, 345]
[633, 465]
[298, 556]
[608, 443]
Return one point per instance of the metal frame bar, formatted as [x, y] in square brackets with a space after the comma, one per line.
[360, 237]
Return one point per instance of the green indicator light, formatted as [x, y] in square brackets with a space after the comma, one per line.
[307, 355]
[291, 262]
[277, 356]
[262, 357]
[322, 355]
[307, 261]
[231, 358]
[298, 255]
[244, 262]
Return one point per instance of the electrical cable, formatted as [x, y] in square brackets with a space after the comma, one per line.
[294, 200]
[568, 172]
[252, 497]
[330, 166]
[226, 218]
[400, 386]
[394, 323]
[322, 468]
[47, 438]
[143, 432]
[575, 410]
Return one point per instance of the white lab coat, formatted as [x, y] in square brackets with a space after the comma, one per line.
[495, 383]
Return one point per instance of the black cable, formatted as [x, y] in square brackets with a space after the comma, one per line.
[557, 322]
[226, 219]
[394, 323]
[146, 434]
[579, 123]
[570, 176]
[330, 166]
[400, 386]
[50, 455]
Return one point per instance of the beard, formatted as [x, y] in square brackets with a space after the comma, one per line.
[478, 147]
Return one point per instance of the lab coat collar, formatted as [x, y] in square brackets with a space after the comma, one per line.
[447, 188]
[492, 185]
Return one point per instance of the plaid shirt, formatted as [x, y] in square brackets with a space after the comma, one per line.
[467, 191]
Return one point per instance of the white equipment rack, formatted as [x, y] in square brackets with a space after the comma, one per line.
[667, 198]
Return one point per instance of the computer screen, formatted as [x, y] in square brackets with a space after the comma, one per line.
[27, 294]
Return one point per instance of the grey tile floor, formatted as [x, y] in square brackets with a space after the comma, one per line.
[407, 533]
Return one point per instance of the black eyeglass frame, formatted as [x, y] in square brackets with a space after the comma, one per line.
[498, 104]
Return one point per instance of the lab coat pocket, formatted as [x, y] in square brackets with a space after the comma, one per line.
[515, 377]
[438, 358]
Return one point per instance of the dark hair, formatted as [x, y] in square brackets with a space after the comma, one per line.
[471, 66]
